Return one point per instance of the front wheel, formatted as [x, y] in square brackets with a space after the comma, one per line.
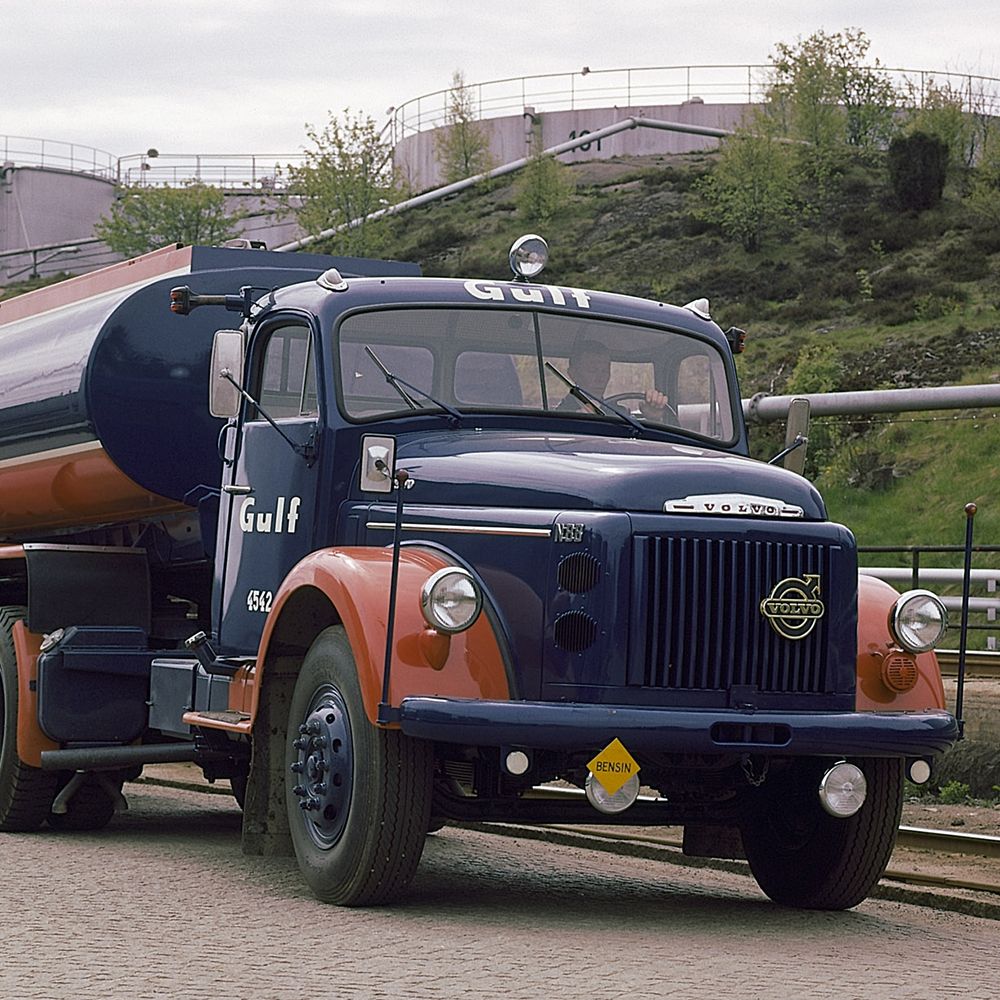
[358, 796]
[801, 856]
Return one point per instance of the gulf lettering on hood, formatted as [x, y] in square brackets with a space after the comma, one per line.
[283, 518]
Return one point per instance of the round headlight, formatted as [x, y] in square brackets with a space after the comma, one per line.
[918, 621]
[528, 256]
[451, 600]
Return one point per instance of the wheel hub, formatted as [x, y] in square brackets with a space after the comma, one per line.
[323, 767]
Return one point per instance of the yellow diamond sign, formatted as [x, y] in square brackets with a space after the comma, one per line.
[613, 766]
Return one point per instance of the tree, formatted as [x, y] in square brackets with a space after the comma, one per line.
[463, 146]
[830, 95]
[823, 96]
[146, 218]
[749, 193]
[984, 196]
[544, 186]
[918, 166]
[960, 118]
[344, 179]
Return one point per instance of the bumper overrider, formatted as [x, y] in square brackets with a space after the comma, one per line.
[557, 726]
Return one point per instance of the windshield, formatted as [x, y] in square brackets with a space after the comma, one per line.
[495, 359]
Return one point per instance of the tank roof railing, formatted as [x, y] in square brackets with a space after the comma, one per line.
[234, 171]
[52, 154]
[643, 86]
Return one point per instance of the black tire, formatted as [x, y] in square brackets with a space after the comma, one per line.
[358, 796]
[801, 856]
[25, 792]
[90, 808]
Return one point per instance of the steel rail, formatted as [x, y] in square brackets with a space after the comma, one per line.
[978, 663]
[937, 841]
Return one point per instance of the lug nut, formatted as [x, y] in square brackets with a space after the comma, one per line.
[299, 790]
[298, 767]
[300, 744]
[318, 742]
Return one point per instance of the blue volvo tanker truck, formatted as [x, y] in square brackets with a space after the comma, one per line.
[389, 551]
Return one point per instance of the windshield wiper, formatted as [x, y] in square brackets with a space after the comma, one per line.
[596, 403]
[401, 385]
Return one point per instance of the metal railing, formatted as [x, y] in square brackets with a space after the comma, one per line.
[916, 575]
[254, 171]
[25, 151]
[637, 87]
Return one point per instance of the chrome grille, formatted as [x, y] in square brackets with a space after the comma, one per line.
[700, 628]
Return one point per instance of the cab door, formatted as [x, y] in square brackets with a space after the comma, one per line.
[268, 514]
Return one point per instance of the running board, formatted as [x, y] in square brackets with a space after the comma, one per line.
[228, 722]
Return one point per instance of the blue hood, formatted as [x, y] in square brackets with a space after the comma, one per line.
[581, 471]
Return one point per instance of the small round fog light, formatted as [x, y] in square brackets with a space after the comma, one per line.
[603, 801]
[842, 790]
[919, 771]
[451, 600]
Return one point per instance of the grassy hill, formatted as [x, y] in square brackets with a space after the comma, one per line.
[874, 298]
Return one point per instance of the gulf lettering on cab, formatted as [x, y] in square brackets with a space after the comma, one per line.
[493, 291]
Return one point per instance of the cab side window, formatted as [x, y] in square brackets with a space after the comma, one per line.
[287, 375]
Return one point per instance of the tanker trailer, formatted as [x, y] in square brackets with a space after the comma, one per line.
[109, 494]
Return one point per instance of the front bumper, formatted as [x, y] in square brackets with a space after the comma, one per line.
[557, 726]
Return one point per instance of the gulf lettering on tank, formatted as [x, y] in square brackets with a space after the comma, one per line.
[493, 291]
[284, 517]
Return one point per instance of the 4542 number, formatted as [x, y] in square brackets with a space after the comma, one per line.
[259, 600]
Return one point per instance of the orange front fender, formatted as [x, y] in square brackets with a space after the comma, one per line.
[355, 582]
[875, 645]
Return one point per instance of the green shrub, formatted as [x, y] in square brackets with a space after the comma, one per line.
[918, 167]
[953, 793]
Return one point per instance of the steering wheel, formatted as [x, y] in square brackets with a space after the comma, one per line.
[619, 397]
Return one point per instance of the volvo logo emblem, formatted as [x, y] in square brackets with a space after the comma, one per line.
[794, 606]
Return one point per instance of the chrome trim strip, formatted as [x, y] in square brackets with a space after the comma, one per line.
[463, 529]
[69, 451]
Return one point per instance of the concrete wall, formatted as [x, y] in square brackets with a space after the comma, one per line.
[416, 155]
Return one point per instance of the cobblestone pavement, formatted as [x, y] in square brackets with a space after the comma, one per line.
[162, 904]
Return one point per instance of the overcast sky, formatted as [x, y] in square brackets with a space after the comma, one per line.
[201, 76]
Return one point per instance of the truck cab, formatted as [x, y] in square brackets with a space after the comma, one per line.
[475, 550]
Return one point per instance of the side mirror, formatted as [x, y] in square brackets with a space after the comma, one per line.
[227, 358]
[797, 428]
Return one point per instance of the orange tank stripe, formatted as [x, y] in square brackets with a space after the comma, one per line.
[69, 487]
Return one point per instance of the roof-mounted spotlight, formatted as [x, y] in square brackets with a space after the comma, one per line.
[528, 257]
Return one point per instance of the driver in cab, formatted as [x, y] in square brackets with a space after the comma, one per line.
[590, 368]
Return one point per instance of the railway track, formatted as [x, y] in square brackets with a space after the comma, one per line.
[669, 848]
[978, 663]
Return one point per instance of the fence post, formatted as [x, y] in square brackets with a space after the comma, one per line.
[915, 578]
